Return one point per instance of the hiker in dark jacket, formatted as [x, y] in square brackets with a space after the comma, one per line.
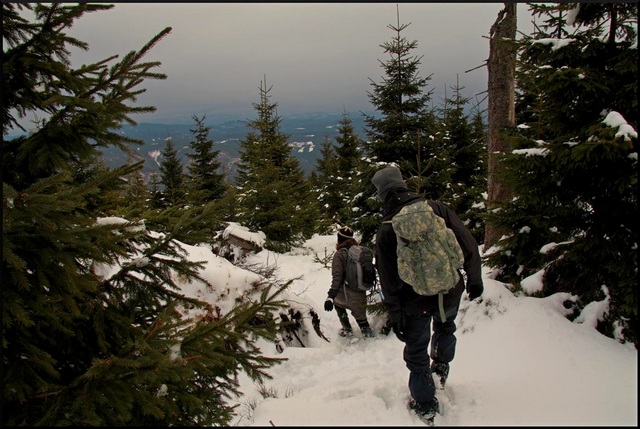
[342, 297]
[410, 314]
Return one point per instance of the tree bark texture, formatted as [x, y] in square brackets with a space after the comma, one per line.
[501, 108]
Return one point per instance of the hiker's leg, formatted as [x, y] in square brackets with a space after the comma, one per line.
[416, 357]
[358, 307]
[443, 344]
[358, 301]
[443, 340]
[365, 328]
[344, 319]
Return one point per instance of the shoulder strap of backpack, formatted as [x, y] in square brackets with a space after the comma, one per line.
[349, 252]
[443, 317]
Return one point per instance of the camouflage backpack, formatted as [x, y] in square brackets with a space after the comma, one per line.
[429, 256]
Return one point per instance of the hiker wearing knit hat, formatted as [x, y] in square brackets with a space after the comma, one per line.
[413, 316]
[387, 179]
[344, 234]
[343, 297]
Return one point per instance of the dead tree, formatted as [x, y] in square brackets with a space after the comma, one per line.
[501, 105]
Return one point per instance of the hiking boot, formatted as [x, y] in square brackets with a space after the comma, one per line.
[365, 329]
[440, 371]
[426, 411]
[367, 333]
[345, 332]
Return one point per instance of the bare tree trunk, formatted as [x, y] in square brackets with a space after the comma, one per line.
[501, 110]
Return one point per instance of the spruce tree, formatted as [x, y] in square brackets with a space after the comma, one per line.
[324, 187]
[349, 153]
[465, 144]
[109, 196]
[179, 203]
[366, 207]
[273, 194]
[204, 183]
[348, 146]
[83, 345]
[204, 188]
[172, 176]
[156, 200]
[400, 132]
[136, 194]
[337, 175]
[401, 102]
[474, 216]
[573, 168]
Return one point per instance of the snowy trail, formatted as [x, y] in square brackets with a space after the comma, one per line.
[519, 361]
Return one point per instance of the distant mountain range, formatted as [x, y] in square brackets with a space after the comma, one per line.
[306, 134]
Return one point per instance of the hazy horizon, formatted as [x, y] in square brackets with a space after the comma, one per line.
[316, 57]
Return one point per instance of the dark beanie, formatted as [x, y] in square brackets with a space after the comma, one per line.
[344, 234]
[386, 179]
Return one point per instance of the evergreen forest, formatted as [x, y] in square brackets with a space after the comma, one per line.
[75, 341]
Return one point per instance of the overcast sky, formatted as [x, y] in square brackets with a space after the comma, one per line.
[317, 57]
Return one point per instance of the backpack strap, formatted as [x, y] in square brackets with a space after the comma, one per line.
[441, 307]
[347, 257]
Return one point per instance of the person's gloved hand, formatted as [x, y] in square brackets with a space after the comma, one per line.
[475, 291]
[328, 304]
[396, 321]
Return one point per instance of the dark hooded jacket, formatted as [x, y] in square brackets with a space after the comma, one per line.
[399, 295]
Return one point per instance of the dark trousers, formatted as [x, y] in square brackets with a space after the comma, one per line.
[344, 317]
[416, 355]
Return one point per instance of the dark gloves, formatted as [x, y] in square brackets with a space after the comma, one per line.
[396, 321]
[328, 304]
[475, 291]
